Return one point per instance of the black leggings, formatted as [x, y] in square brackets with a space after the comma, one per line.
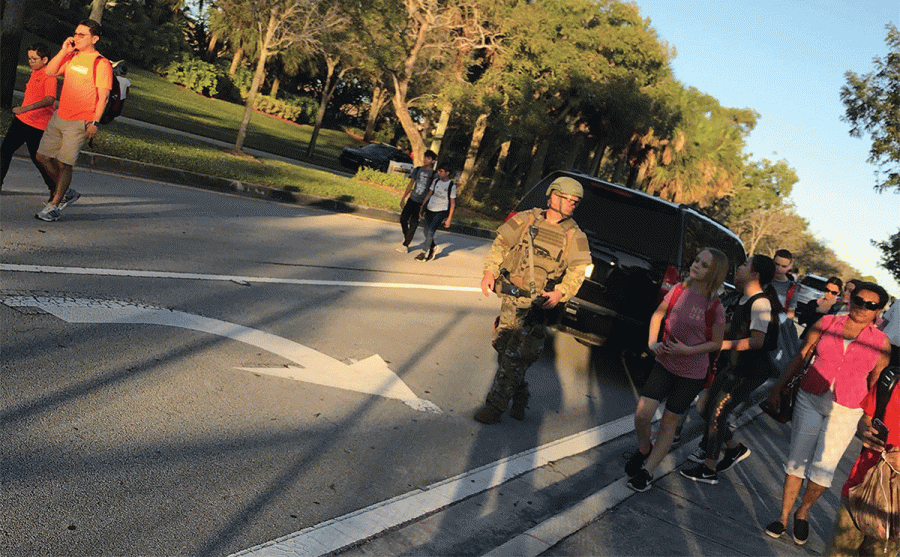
[728, 390]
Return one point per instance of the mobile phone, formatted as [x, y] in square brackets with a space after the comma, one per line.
[71, 42]
[881, 429]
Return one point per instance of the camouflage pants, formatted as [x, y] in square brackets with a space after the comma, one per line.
[518, 341]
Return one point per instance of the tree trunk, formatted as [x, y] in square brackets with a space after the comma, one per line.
[401, 109]
[499, 177]
[13, 17]
[465, 187]
[331, 83]
[538, 156]
[597, 158]
[236, 60]
[264, 41]
[441, 128]
[379, 99]
[211, 49]
[97, 7]
[273, 92]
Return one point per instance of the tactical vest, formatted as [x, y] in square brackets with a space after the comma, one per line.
[551, 248]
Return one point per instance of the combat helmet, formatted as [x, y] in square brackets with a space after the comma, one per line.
[567, 186]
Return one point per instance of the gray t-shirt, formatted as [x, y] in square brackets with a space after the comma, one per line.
[423, 177]
[781, 288]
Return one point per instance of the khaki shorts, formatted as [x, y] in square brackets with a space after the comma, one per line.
[63, 139]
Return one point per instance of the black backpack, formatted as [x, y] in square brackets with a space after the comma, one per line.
[771, 339]
[115, 103]
[889, 378]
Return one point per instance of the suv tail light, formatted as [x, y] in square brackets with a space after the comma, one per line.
[671, 277]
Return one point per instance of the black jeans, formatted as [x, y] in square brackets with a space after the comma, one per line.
[433, 219]
[18, 133]
[409, 220]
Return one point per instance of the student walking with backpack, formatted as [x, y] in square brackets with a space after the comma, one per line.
[87, 81]
[421, 179]
[437, 209]
[693, 322]
[751, 332]
[850, 353]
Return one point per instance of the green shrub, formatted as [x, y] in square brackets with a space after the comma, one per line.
[381, 178]
[298, 109]
[194, 74]
[242, 80]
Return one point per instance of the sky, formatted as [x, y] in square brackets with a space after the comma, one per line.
[786, 60]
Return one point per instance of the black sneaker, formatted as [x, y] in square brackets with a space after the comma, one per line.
[641, 481]
[422, 257]
[636, 463]
[698, 456]
[732, 457]
[800, 531]
[775, 529]
[701, 473]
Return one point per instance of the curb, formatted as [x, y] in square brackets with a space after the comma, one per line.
[128, 167]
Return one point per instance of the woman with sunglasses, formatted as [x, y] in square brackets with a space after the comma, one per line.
[828, 304]
[693, 323]
[850, 353]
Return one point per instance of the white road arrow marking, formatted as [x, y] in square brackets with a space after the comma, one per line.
[370, 376]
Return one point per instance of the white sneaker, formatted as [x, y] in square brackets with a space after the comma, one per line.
[49, 213]
[71, 197]
[402, 249]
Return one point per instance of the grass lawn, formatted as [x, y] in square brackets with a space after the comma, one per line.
[154, 100]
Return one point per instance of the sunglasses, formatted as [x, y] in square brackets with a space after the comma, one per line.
[858, 301]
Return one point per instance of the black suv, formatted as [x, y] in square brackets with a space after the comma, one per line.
[641, 246]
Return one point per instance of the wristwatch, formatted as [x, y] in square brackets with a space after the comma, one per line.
[96, 124]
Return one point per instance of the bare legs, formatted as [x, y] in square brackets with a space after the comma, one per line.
[60, 173]
[643, 418]
[792, 485]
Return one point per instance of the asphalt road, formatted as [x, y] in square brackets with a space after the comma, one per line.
[186, 372]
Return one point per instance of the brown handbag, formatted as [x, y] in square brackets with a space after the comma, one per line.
[783, 412]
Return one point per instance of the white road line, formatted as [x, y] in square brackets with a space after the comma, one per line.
[233, 278]
[360, 525]
[371, 375]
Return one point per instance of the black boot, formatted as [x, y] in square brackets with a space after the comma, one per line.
[488, 414]
[519, 403]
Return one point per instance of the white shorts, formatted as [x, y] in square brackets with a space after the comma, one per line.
[822, 430]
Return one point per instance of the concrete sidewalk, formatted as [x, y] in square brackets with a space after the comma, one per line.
[580, 505]
[681, 517]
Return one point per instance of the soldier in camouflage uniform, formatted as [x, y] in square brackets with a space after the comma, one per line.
[544, 255]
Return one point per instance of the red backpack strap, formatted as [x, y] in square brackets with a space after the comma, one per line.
[711, 316]
[790, 294]
[677, 290]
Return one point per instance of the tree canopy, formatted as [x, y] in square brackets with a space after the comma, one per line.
[872, 104]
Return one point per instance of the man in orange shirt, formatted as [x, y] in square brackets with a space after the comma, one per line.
[86, 84]
[32, 116]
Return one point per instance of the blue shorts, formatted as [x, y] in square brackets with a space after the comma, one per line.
[678, 392]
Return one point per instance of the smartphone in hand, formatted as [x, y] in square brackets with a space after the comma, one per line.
[881, 429]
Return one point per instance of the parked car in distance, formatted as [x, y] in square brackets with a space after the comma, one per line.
[372, 155]
[641, 246]
[812, 287]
